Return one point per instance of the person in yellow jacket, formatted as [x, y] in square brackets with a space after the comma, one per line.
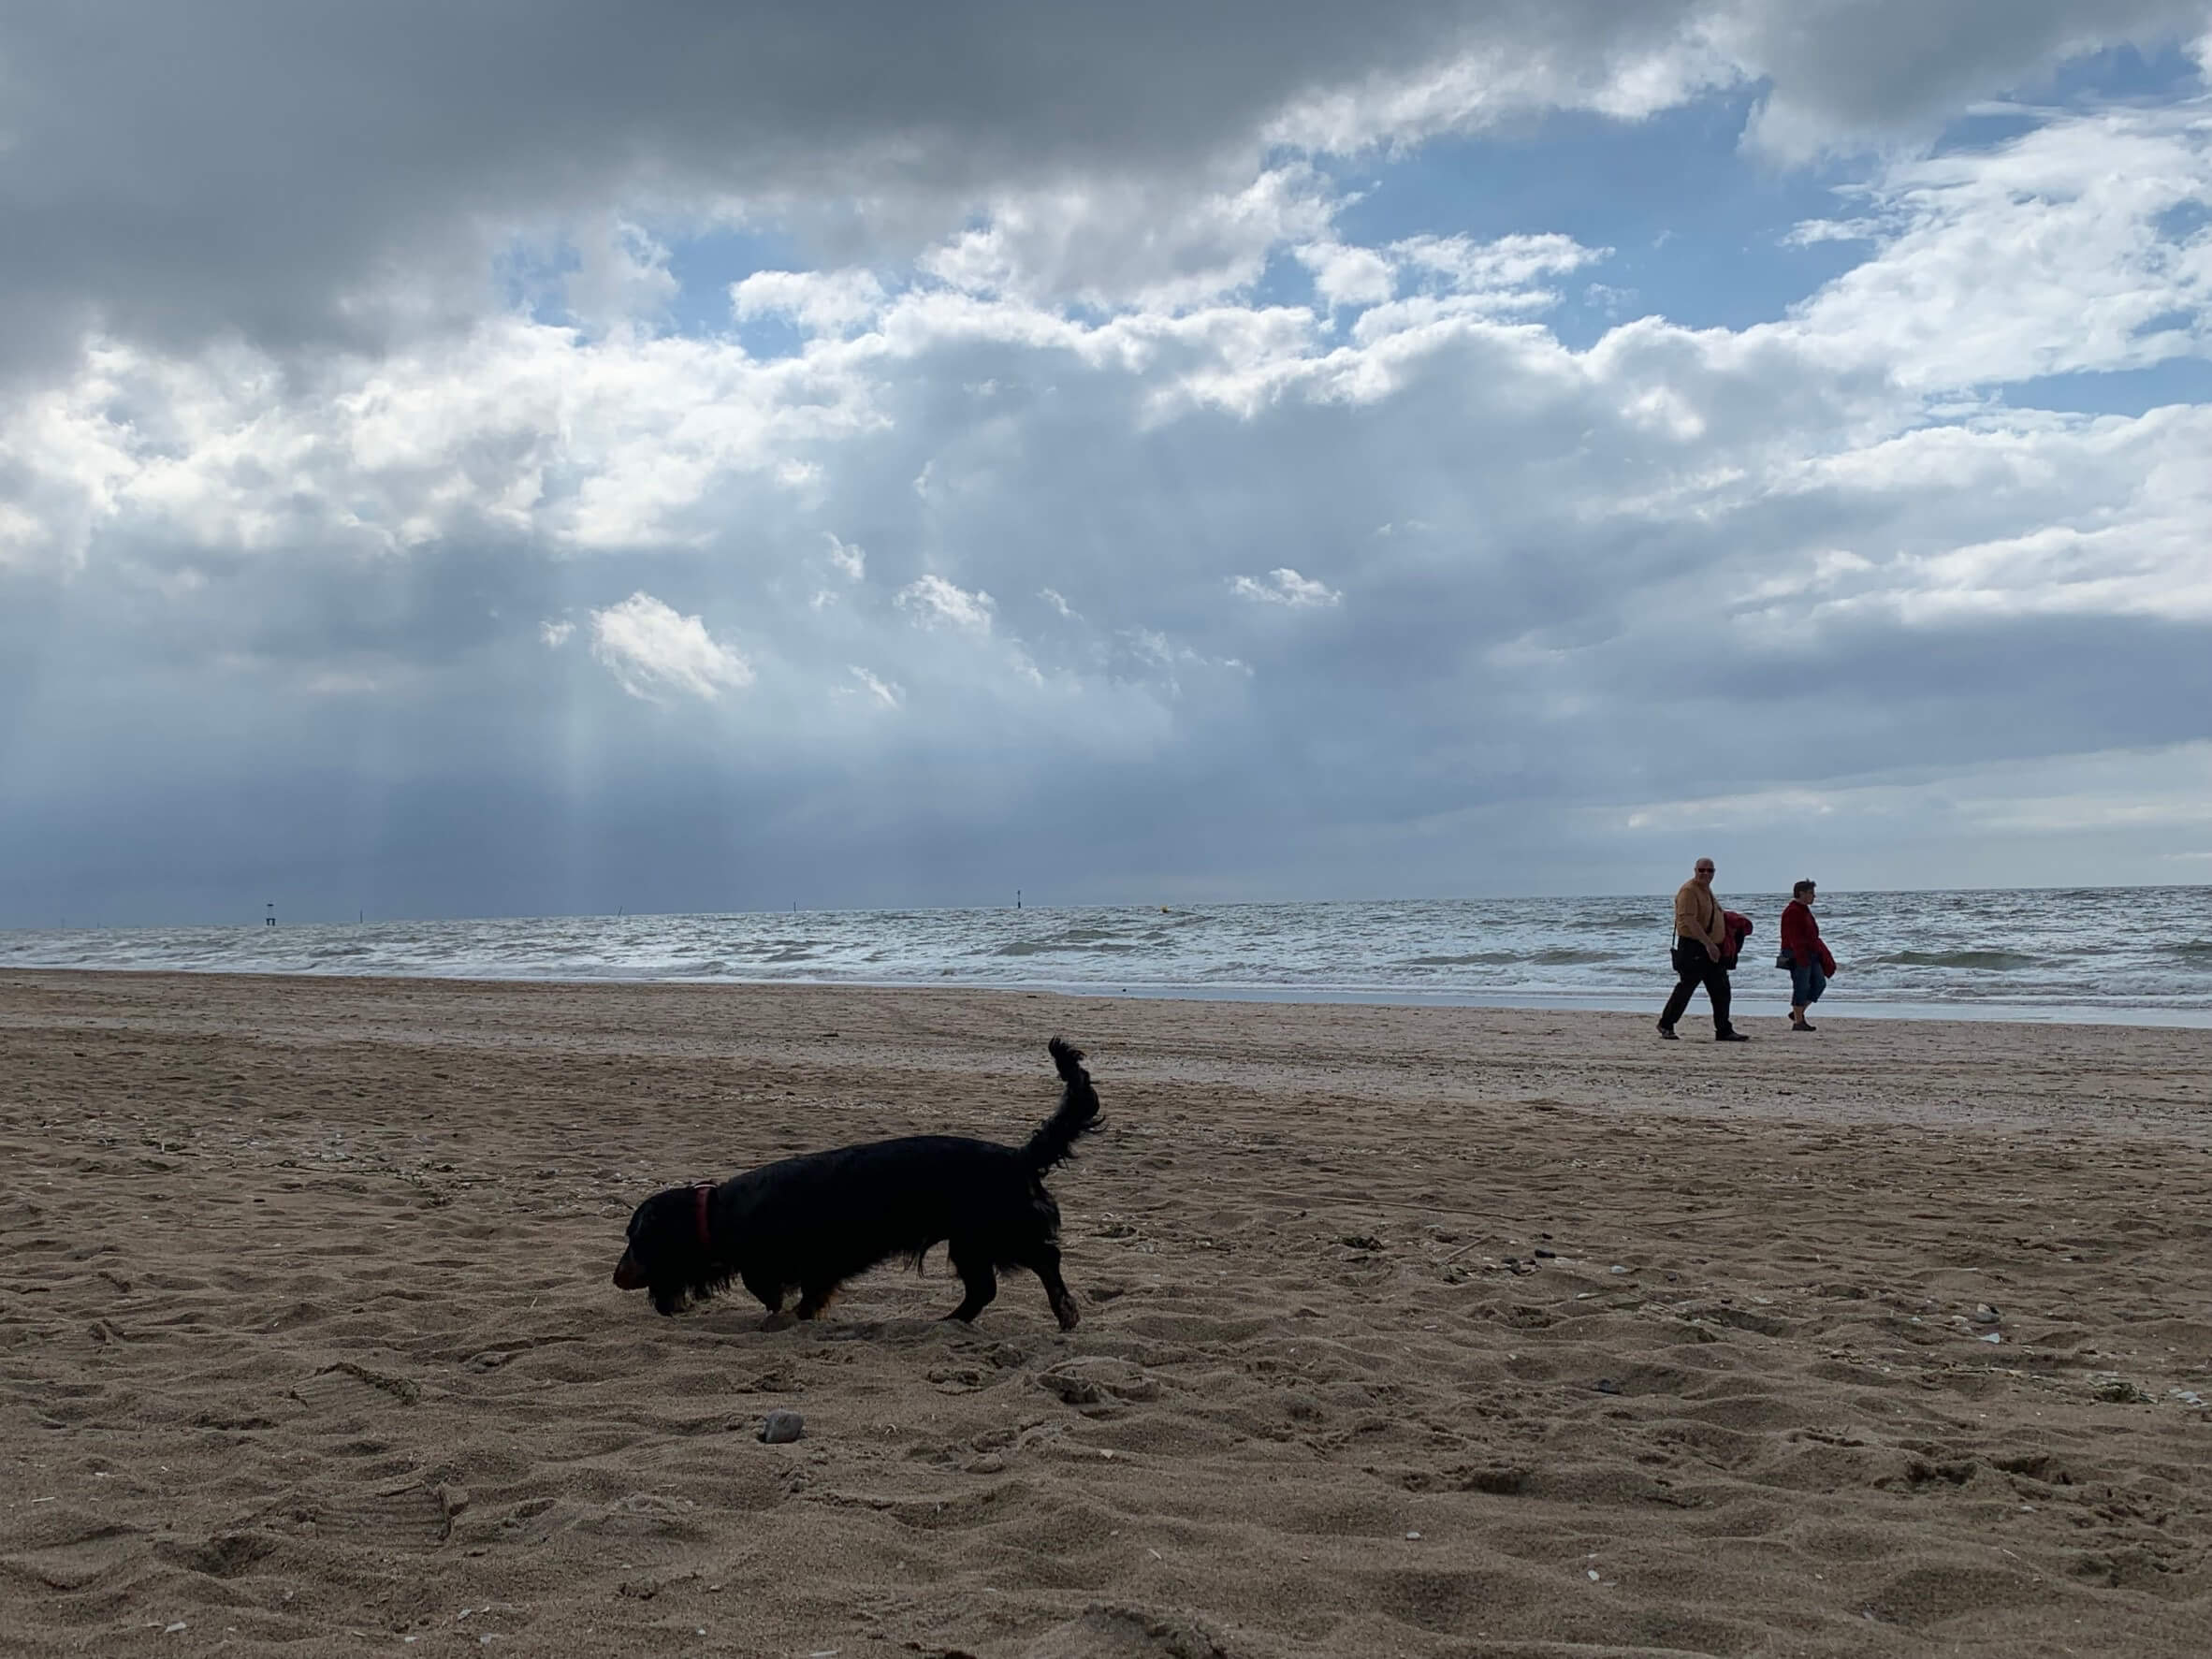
[1700, 947]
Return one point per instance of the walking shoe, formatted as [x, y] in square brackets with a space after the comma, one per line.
[1668, 1032]
[1730, 1037]
[1804, 1025]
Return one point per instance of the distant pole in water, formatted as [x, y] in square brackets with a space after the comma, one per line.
[268, 921]
[1017, 899]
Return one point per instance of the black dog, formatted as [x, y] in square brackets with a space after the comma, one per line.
[810, 1223]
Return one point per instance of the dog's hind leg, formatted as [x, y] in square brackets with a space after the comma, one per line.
[813, 1299]
[972, 1262]
[1043, 1260]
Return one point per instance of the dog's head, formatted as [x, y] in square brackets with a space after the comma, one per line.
[667, 1253]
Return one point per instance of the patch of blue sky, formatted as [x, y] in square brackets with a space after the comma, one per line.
[1989, 125]
[1699, 224]
[2183, 220]
[531, 277]
[1086, 314]
[2115, 391]
[2122, 75]
[1284, 280]
[764, 337]
[706, 265]
[2177, 321]
[1698, 228]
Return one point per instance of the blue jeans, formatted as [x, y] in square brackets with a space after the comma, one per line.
[1806, 984]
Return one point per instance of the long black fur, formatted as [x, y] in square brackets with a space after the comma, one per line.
[808, 1224]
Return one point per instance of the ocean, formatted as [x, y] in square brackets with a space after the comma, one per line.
[2137, 954]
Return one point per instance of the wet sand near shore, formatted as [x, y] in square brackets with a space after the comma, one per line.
[1433, 1332]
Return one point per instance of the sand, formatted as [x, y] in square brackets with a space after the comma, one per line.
[1421, 1332]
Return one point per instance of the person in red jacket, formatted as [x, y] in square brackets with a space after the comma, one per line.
[1809, 961]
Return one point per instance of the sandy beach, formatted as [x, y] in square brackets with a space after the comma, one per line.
[1405, 1332]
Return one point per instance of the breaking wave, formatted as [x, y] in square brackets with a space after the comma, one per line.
[1995, 961]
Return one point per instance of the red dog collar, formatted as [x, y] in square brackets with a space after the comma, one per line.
[701, 1192]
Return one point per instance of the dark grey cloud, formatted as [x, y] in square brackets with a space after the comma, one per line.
[310, 172]
[1897, 66]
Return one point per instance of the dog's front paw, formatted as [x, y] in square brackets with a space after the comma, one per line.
[1064, 1310]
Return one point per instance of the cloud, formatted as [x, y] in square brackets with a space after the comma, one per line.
[2169, 788]
[1633, 64]
[934, 603]
[1161, 244]
[516, 429]
[822, 302]
[1286, 587]
[652, 648]
[1349, 276]
[1510, 265]
[2064, 250]
[883, 691]
[1890, 70]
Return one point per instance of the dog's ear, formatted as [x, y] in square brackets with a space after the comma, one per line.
[645, 1256]
[662, 1255]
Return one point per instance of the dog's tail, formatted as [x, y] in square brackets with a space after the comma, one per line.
[1054, 1139]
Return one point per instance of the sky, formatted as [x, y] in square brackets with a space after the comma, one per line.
[553, 458]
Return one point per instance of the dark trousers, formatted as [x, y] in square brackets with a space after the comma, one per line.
[1695, 968]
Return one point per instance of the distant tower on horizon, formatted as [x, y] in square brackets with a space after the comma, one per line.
[269, 920]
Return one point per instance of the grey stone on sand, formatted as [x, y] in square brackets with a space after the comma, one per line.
[780, 1428]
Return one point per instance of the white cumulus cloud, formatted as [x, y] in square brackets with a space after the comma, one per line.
[885, 691]
[821, 301]
[934, 603]
[1347, 276]
[1287, 587]
[651, 647]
